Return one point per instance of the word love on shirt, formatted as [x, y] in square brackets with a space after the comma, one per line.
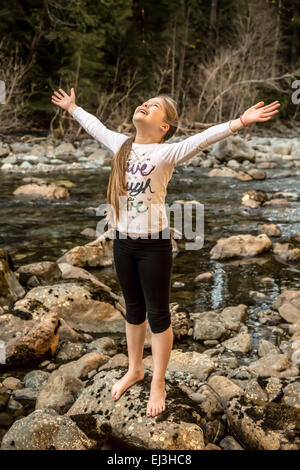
[137, 167]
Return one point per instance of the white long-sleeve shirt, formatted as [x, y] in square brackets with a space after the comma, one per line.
[149, 169]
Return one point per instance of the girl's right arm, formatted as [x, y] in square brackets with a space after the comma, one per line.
[92, 125]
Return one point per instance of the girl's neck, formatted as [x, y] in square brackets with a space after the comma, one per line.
[144, 140]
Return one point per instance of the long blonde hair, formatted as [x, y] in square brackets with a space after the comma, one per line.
[117, 180]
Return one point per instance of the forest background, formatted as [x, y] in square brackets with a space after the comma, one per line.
[215, 58]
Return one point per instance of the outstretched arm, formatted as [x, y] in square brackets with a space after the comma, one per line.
[92, 125]
[180, 152]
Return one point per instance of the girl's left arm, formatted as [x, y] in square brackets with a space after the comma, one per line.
[180, 152]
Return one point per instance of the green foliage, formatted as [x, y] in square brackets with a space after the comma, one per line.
[117, 47]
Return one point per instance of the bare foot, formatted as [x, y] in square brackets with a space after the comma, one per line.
[125, 382]
[156, 403]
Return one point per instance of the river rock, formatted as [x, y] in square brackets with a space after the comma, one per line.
[296, 237]
[181, 324]
[82, 304]
[283, 148]
[291, 196]
[233, 164]
[34, 179]
[14, 408]
[45, 271]
[86, 256]
[89, 233]
[9, 167]
[225, 388]
[265, 347]
[274, 365]
[12, 326]
[178, 427]
[197, 364]
[66, 333]
[209, 326]
[20, 147]
[63, 148]
[98, 252]
[269, 317]
[254, 392]
[264, 426]
[101, 156]
[296, 333]
[210, 405]
[215, 326]
[277, 202]
[68, 271]
[257, 174]
[36, 379]
[10, 288]
[104, 345]
[4, 152]
[229, 173]
[272, 230]
[291, 394]
[4, 397]
[46, 430]
[230, 443]
[116, 361]
[288, 306]
[69, 351]
[26, 396]
[237, 148]
[240, 343]
[204, 277]
[267, 165]
[47, 191]
[254, 198]
[240, 246]
[35, 343]
[63, 385]
[286, 251]
[233, 316]
[12, 383]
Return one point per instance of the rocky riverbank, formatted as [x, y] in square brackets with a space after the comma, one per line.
[64, 329]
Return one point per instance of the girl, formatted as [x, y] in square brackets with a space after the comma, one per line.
[142, 166]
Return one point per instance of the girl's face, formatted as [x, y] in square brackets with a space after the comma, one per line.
[151, 114]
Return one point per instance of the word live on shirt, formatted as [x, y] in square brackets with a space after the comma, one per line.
[149, 169]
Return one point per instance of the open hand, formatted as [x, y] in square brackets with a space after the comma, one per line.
[259, 114]
[62, 99]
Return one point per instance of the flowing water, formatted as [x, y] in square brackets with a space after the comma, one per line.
[42, 230]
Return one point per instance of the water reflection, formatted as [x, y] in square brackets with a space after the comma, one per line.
[43, 230]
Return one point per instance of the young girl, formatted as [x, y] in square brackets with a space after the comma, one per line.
[142, 166]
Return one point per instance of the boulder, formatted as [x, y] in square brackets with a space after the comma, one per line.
[46, 430]
[176, 428]
[264, 426]
[10, 288]
[240, 246]
[35, 343]
[47, 191]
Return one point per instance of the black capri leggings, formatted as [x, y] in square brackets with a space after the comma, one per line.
[143, 267]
